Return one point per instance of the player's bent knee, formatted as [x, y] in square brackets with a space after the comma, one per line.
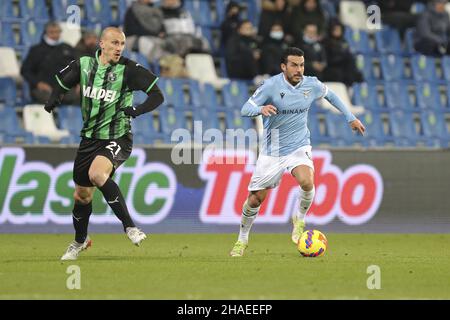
[255, 200]
[254, 203]
[82, 198]
[307, 185]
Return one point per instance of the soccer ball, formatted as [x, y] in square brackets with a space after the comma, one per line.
[312, 243]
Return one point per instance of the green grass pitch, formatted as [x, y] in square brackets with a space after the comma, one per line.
[197, 266]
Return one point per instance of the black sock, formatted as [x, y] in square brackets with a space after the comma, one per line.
[80, 217]
[115, 199]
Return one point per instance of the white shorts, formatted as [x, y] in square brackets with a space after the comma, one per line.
[269, 170]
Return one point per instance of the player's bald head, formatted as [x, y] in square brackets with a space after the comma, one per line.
[109, 32]
[112, 44]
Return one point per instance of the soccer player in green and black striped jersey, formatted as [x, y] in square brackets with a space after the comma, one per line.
[107, 84]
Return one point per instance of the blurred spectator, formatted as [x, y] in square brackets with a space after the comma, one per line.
[397, 14]
[315, 56]
[272, 50]
[44, 60]
[172, 66]
[180, 28]
[232, 19]
[144, 28]
[433, 30]
[303, 13]
[271, 12]
[242, 54]
[291, 8]
[341, 66]
[87, 46]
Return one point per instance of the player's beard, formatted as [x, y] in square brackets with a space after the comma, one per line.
[293, 82]
[113, 60]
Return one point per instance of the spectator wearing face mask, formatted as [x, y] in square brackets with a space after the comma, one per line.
[231, 22]
[272, 11]
[242, 53]
[315, 56]
[272, 50]
[46, 59]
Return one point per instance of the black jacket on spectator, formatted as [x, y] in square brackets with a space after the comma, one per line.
[341, 66]
[432, 32]
[229, 27]
[44, 61]
[314, 52]
[239, 56]
[132, 26]
[230, 24]
[271, 55]
[300, 17]
[390, 6]
[268, 18]
[397, 14]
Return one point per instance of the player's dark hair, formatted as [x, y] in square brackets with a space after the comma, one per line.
[291, 51]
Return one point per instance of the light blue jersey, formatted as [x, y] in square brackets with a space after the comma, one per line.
[290, 123]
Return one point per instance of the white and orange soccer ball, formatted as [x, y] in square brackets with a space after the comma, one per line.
[312, 243]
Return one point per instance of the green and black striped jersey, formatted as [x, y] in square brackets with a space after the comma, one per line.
[105, 90]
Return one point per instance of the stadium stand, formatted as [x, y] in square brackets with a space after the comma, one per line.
[392, 67]
[8, 12]
[404, 100]
[366, 95]
[59, 8]
[34, 10]
[341, 91]
[8, 92]
[375, 135]
[434, 128]
[358, 41]
[388, 41]
[201, 68]
[9, 66]
[353, 14]
[41, 123]
[6, 35]
[71, 33]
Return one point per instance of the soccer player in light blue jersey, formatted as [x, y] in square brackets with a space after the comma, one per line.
[284, 101]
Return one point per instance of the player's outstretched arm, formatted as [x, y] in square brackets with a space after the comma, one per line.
[141, 79]
[55, 98]
[155, 98]
[251, 110]
[256, 104]
[66, 79]
[355, 124]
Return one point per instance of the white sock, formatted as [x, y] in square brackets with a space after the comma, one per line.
[248, 216]
[306, 199]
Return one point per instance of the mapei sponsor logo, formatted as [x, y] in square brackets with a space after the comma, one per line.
[353, 195]
[33, 192]
[102, 94]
